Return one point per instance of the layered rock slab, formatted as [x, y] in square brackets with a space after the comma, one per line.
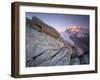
[43, 48]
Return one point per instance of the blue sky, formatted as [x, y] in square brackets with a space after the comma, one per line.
[61, 21]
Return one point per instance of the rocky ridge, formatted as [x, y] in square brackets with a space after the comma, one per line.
[44, 45]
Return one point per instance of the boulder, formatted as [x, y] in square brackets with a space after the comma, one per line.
[77, 52]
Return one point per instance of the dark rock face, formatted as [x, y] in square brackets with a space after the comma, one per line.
[42, 48]
[81, 42]
[81, 48]
[77, 52]
[75, 61]
[84, 59]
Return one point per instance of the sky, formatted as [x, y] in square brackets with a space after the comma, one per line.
[61, 21]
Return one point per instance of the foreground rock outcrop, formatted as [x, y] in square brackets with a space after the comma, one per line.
[44, 45]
